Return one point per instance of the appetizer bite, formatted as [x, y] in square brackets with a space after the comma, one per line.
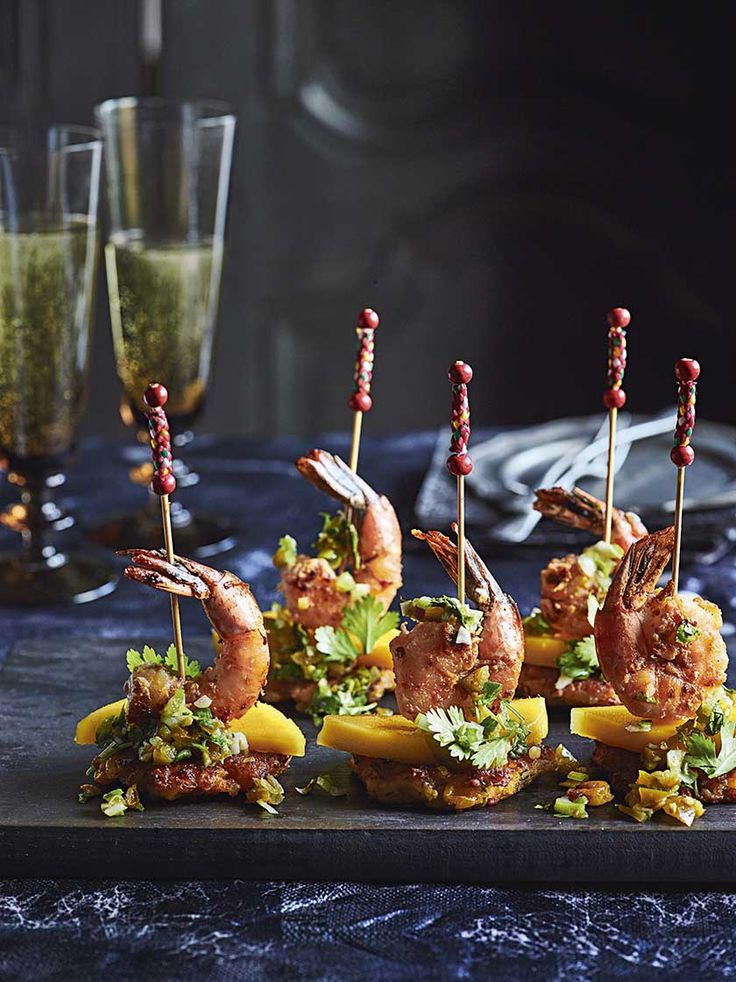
[199, 736]
[329, 639]
[560, 661]
[671, 745]
[459, 742]
[181, 732]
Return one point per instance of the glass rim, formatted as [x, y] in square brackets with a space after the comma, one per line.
[207, 110]
[82, 137]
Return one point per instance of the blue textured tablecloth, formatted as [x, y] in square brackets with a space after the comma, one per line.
[59, 929]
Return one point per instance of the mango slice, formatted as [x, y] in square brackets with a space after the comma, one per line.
[381, 654]
[265, 728]
[543, 651]
[87, 728]
[269, 731]
[607, 724]
[397, 738]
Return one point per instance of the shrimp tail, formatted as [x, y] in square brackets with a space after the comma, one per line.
[482, 586]
[328, 473]
[152, 568]
[638, 574]
[575, 508]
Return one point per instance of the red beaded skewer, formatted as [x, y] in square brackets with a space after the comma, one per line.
[360, 401]
[614, 398]
[460, 463]
[163, 484]
[687, 371]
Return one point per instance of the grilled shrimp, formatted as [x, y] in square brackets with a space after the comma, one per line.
[661, 651]
[431, 668]
[501, 645]
[581, 510]
[565, 583]
[309, 584]
[235, 680]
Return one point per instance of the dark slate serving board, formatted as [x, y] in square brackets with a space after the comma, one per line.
[45, 686]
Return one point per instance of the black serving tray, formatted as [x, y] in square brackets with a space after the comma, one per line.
[46, 685]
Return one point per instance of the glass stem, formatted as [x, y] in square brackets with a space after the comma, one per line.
[36, 499]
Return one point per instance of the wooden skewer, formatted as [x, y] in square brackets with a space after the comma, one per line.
[360, 401]
[614, 398]
[687, 372]
[163, 484]
[459, 463]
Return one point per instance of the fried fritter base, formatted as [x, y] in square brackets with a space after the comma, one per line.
[172, 782]
[537, 680]
[435, 786]
[622, 767]
[280, 690]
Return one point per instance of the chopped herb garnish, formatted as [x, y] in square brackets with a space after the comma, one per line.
[337, 543]
[117, 802]
[347, 696]
[686, 632]
[580, 661]
[536, 626]
[701, 751]
[266, 792]
[334, 783]
[286, 553]
[641, 726]
[443, 609]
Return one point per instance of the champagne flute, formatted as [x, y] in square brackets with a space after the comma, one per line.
[49, 188]
[168, 173]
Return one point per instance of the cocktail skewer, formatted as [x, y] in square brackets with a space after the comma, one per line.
[459, 463]
[163, 484]
[682, 454]
[360, 401]
[614, 398]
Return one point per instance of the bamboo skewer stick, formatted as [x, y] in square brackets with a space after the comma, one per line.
[687, 372]
[360, 401]
[163, 484]
[614, 398]
[459, 463]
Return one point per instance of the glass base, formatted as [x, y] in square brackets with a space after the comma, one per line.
[196, 536]
[64, 579]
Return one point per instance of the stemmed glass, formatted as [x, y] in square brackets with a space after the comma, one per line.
[49, 188]
[168, 173]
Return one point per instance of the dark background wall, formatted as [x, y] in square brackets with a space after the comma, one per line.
[490, 176]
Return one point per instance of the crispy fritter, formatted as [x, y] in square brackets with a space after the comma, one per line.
[537, 680]
[622, 767]
[186, 780]
[438, 787]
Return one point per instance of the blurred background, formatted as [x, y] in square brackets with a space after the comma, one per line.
[490, 176]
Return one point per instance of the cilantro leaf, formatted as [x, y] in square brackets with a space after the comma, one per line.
[336, 644]
[192, 669]
[367, 621]
[701, 751]
[580, 661]
[686, 632]
[535, 625]
[134, 659]
[443, 609]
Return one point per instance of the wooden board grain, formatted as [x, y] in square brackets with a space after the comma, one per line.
[45, 686]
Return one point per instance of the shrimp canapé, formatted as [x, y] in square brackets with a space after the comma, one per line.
[470, 746]
[560, 661]
[661, 651]
[201, 735]
[357, 566]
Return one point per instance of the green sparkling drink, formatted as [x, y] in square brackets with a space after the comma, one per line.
[47, 279]
[163, 307]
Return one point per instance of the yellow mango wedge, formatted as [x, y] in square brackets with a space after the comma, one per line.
[381, 654]
[607, 724]
[543, 651]
[265, 728]
[397, 738]
[269, 731]
[87, 728]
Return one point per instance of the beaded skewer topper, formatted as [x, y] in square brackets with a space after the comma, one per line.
[687, 371]
[459, 463]
[360, 401]
[614, 398]
[163, 484]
